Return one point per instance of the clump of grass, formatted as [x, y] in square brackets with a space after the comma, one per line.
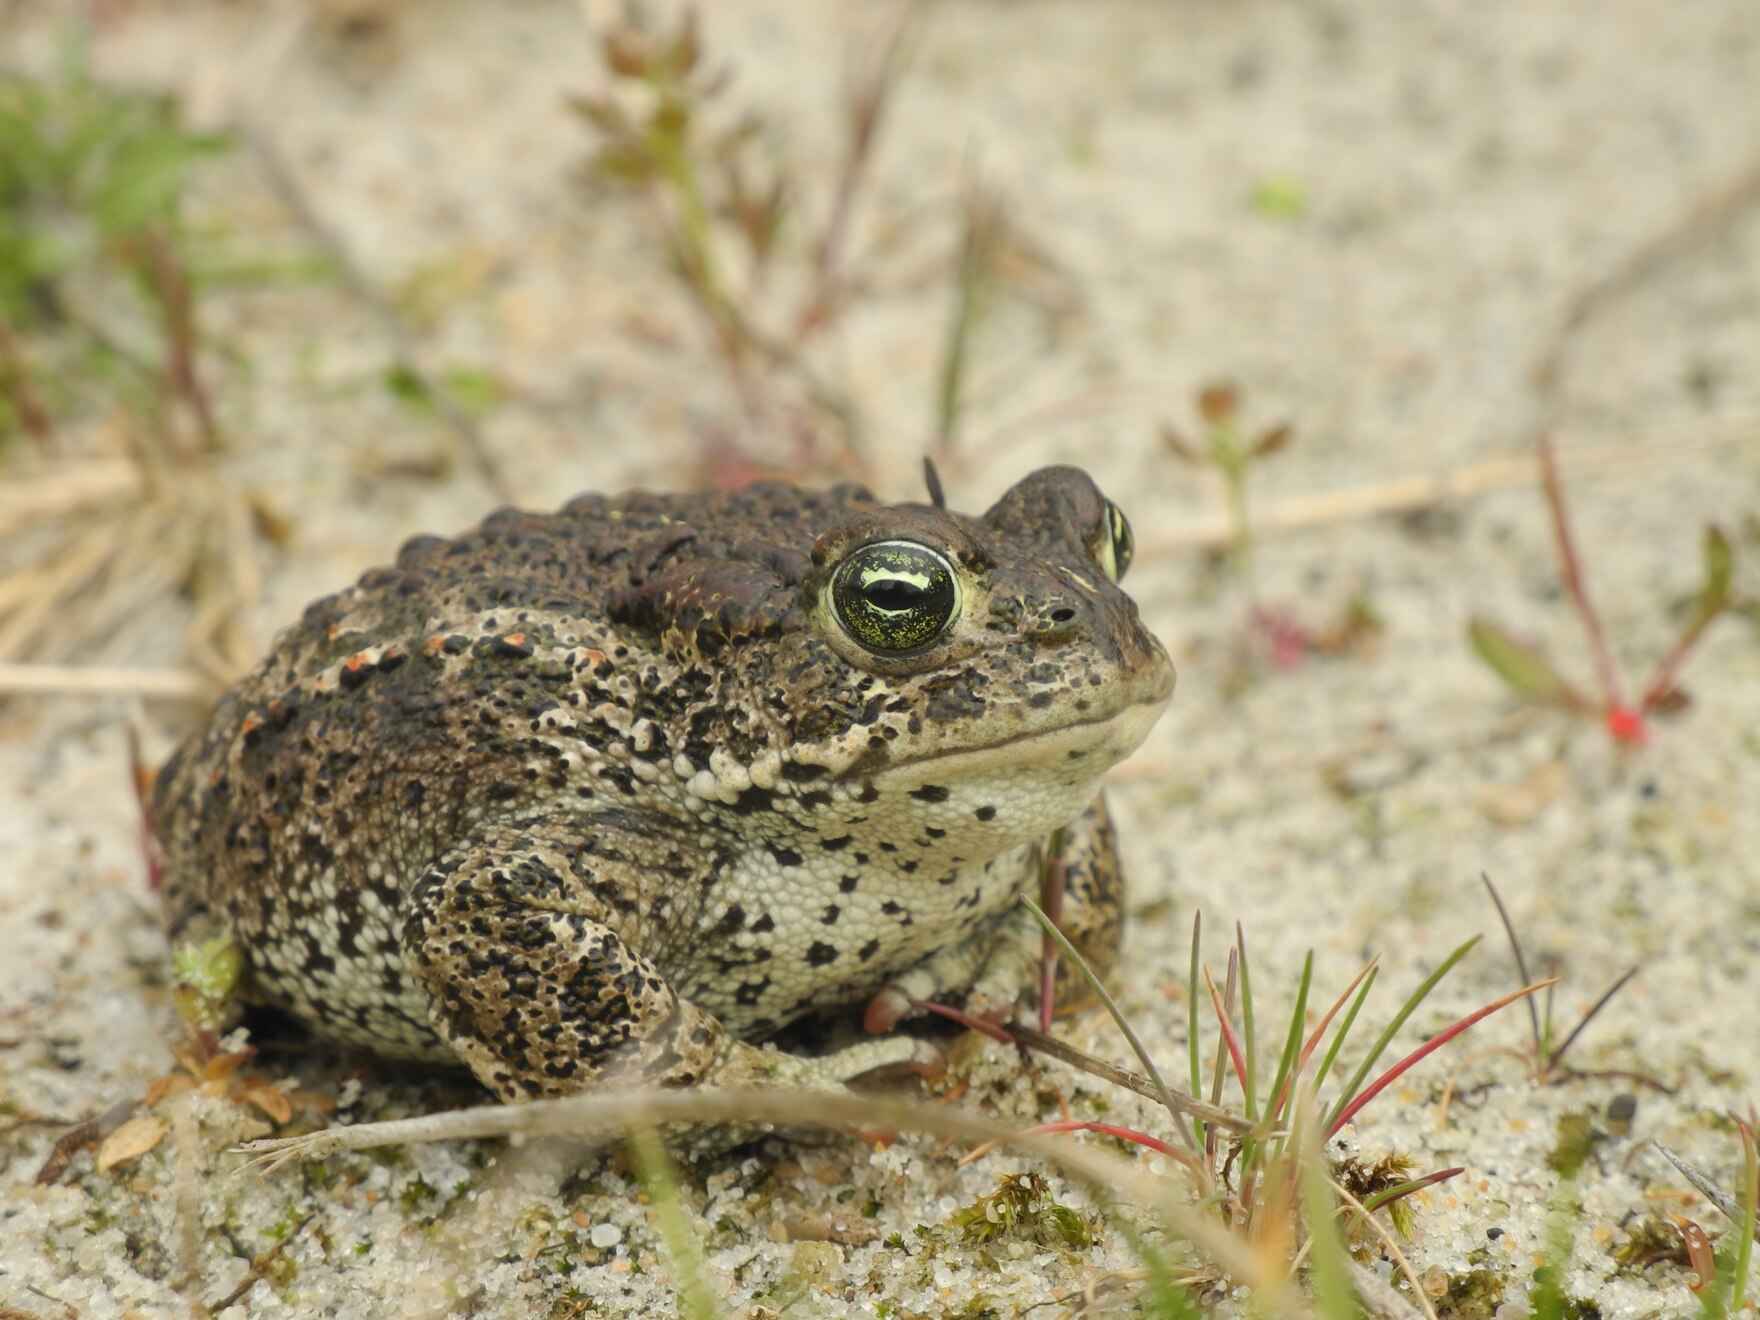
[119, 497]
[1255, 1175]
[1528, 671]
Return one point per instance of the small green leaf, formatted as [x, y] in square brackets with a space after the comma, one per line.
[407, 386]
[1719, 568]
[1520, 664]
[207, 980]
[1273, 440]
[1280, 197]
[145, 178]
[1334, 1296]
[474, 390]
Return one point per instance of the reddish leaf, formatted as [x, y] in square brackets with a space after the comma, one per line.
[1218, 403]
[1269, 442]
[1699, 1253]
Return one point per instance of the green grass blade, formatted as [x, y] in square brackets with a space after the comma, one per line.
[1547, 1301]
[696, 1301]
[1382, 1041]
[1192, 1050]
[1344, 1028]
[1334, 1294]
[1166, 1299]
[1746, 1227]
[1081, 964]
[1292, 1042]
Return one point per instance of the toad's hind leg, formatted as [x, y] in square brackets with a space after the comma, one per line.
[525, 942]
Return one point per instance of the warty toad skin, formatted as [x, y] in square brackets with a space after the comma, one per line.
[619, 790]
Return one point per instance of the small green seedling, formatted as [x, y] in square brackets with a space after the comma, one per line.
[1529, 672]
[774, 272]
[1228, 449]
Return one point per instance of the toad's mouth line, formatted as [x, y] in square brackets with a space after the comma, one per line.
[1121, 732]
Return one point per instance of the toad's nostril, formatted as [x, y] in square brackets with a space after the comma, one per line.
[1062, 614]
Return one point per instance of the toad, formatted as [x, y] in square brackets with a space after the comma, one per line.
[618, 791]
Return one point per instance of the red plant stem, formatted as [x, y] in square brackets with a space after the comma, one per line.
[1662, 681]
[1573, 573]
[170, 282]
[1228, 1036]
[1112, 1130]
[965, 1020]
[1429, 1047]
[15, 384]
[1313, 1040]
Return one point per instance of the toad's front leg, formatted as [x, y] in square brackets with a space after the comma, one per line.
[511, 938]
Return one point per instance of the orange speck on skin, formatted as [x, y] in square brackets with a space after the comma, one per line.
[250, 723]
[515, 639]
[358, 661]
[433, 644]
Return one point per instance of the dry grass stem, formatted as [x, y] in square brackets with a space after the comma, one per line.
[595, 1119]
[1130, 1080]
[100, 681]
[1402, 495]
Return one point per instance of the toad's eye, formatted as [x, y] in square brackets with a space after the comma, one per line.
[1116, 544]
[894, 597]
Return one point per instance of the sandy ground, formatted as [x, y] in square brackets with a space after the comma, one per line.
[1374, 218]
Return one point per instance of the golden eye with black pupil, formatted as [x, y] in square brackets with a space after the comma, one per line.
[1117, 545]
[895, 597]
